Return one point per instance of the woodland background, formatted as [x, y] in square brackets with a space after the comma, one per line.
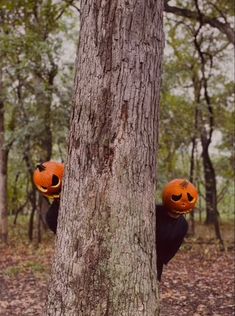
[38, 42]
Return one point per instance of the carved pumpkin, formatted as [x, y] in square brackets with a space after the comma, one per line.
[48, 178]
[179, 197]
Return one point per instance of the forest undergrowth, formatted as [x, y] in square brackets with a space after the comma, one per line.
[198, 281]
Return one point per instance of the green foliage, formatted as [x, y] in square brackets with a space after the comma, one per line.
[36, 38]
[182, 96]
[38, 85]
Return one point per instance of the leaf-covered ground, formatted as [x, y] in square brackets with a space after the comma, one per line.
[198, 281]
[23, 280]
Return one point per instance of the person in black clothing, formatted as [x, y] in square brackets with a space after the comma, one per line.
[48, 178]
[179, 197]
[52, 215]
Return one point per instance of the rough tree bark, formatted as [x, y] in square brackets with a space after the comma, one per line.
[105, 258]
[3, 171]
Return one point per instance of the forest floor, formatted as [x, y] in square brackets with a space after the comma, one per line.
[198, 281]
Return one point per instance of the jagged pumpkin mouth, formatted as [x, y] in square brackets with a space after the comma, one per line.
[53, 196]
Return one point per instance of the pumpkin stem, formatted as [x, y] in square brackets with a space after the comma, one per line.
[184, 184]
[41, 167]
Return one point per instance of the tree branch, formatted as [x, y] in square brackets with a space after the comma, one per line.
[224, 28]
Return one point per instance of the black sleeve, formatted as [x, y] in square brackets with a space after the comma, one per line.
[176, 238]
[52, 215]
[169, 235]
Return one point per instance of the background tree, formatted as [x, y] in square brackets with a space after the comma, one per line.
[37, 93]
[105, 260]
[195, 64]
[3, 168]
[37, 49]
[216, 14]
[36, 110]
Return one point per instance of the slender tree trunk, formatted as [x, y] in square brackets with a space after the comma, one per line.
[38, 231]
[210, 189]
[31, 218]
[191, 230]
[210, 184]
[45, 98]
[206, 132]
[197, 95]
[105, 258]
[192, 158]
[3, 171]
[200, 203]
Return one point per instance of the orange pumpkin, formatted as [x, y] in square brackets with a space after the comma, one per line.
[48, 178]
[179, 196]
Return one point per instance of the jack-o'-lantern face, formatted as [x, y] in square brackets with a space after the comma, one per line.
[48, 178]
[179, 196]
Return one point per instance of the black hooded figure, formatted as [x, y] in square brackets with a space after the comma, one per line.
[179, 198]
[170, 233]
[48, 178]
[52, 215]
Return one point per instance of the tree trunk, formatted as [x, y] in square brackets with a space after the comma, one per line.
[31, 218]
[210, 183]
[191, 230]
[45, 98]
[105, 258]
[206, 131]
[210, 189]
[3, 171]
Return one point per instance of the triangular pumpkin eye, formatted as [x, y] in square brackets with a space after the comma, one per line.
[55, 180]
[190, 197]
[176, 198]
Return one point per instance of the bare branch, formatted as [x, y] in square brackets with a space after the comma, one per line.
[69, 3]
[224, 28]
